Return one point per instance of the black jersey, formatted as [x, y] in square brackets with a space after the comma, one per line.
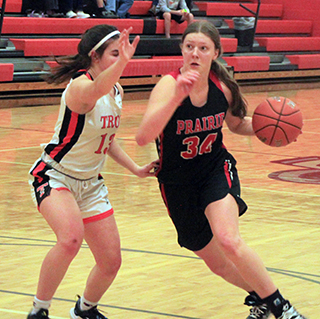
[190, 147]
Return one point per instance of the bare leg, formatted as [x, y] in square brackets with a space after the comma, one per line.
[62, 214]
[223, 218]
[104, 241]
[219, 264]
[167, 24]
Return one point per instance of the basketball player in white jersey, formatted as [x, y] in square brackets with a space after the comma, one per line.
[67, 186]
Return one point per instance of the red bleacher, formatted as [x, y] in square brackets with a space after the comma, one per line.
[306, 61]
[6, 71]
[224, 9]
[280, 26]
[278, 44]
[146, 67]
[23, 25]
[46, 47]
[58, 47]
[174, 29]
[248, 63]
[12, 6]
[140, 8]
[270, 24]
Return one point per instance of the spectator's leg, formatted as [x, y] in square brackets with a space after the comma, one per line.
[167, 23]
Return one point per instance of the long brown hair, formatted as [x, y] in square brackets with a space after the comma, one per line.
[68, 66]
[239, 104]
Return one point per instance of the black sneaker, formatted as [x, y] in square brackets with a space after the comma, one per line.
[106, 14]
[290, 312]
[92, 313]
[259, 310]
[41, 314]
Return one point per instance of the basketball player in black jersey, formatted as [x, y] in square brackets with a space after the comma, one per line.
[197, 175]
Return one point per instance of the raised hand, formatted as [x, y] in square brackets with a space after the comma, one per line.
[185, 83]
[127, 49]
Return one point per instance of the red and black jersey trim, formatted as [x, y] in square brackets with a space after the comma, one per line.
[71, 129]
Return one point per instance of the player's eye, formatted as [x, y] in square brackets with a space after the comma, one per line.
[115, 53]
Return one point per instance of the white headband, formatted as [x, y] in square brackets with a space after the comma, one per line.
[106, 38]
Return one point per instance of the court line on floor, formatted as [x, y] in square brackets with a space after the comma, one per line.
[105, 305]
[290, 273]
[25, 313]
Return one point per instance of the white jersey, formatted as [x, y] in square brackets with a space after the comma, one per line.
[80, 142]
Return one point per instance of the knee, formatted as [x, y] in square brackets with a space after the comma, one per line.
[167, 16]
[231, 245]
[71, 245]
[110, 266]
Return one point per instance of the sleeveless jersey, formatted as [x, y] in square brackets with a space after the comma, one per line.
[190, 146]
[80, 142]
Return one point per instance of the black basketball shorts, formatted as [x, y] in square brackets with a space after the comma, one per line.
[186, 204]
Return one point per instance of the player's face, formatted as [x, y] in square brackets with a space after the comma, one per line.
[198, 52]
[110, 55]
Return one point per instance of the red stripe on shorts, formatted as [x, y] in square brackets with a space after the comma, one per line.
[227, 173]
[98, 217]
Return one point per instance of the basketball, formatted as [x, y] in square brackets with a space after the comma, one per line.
[277, 121]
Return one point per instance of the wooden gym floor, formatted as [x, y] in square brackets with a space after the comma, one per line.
[158, 279]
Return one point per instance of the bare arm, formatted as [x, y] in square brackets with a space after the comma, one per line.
[238, 125]
[123, 159]
[235, 123]
[164, 100]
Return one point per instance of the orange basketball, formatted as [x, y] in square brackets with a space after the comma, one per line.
[277, 121]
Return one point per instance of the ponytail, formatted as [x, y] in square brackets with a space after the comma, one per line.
[239, 104]
[69, 65]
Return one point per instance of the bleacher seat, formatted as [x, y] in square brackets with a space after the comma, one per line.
[53, 26]
[284, 44]
[149, 46]
[280, 44]
[305, 61]
[6, 72]
[12, 6]
[248, 63]
[280, 26]
[146, 67]
[224, 9]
